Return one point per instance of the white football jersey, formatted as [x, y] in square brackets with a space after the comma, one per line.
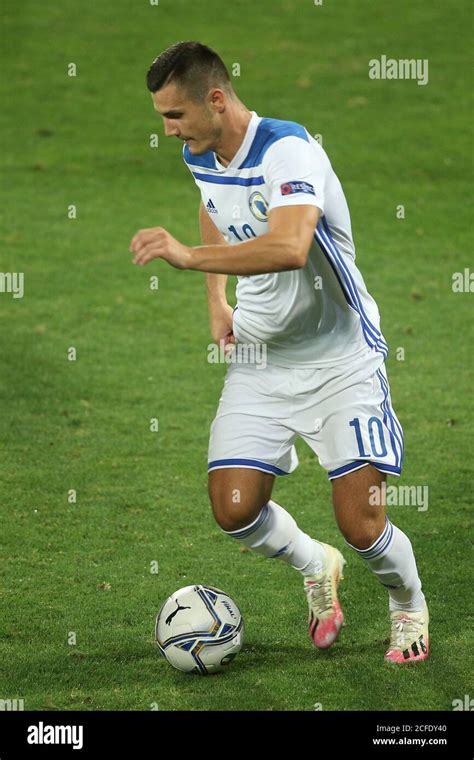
[318, 315]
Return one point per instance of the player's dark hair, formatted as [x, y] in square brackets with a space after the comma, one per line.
[191, 65]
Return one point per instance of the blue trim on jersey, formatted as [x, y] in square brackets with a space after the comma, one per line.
[217, 180]
[268, 132]
[372, 334]
[251, 463]
[372, 329]
[327, 254]
[206, 160]
[391, 469]
[336, 273]
[346, 286]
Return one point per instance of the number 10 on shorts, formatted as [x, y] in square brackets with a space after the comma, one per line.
[376, 437]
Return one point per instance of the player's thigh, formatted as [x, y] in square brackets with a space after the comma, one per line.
[359, 505]
[238, 494]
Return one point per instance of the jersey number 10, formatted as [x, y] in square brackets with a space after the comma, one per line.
[246, 229]
[379, 448]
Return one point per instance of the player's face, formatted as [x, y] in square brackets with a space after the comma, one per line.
[194, 123]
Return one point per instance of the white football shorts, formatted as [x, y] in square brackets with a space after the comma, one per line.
[344, 414]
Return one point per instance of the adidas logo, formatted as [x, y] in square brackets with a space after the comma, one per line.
[414, 649]
[211, 208]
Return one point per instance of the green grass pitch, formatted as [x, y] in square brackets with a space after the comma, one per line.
[81, 571]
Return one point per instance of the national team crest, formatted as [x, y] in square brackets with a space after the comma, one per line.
[258, 206]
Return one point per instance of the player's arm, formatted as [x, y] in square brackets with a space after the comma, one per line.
[285, 246]
[220, 313]
[295, 172]
[216, 283]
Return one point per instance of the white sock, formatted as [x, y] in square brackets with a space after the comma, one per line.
[392, 560]
[275, 534]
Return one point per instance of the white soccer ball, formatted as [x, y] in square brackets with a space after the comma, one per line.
[199, 629]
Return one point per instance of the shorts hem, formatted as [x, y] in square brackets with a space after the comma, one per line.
[359, 463]
[252, 464]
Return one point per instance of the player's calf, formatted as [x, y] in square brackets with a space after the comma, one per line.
[244, 510]
[389, 555]
[242, 507]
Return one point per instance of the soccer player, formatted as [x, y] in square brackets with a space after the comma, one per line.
[273, 212]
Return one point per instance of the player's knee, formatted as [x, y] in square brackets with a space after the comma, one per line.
[234, 508]
[363, 535]
[228, 520]
[233, 516]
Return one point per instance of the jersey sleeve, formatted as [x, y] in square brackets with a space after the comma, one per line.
[295, 170]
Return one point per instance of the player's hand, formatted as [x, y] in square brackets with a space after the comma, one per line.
[157, 243]
[221, 327]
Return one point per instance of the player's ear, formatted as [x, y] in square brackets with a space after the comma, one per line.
[216, 99]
